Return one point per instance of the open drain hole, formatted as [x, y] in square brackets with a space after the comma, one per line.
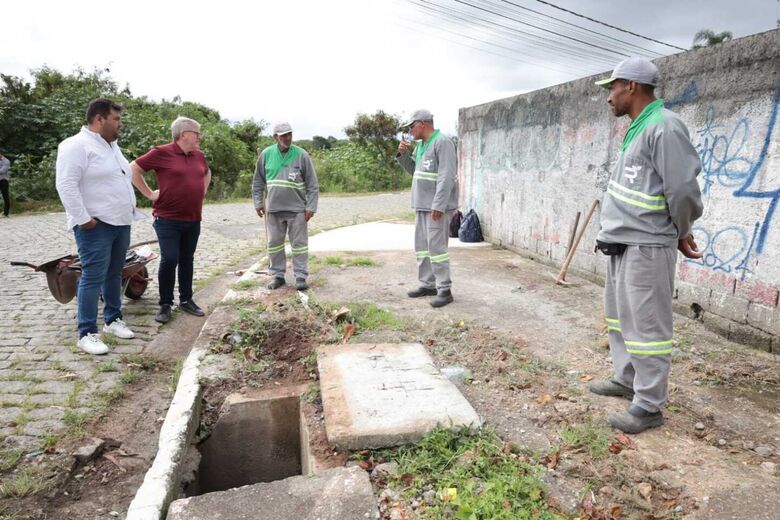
[254, 440]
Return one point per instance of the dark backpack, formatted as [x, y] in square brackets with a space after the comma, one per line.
[469, 229]
[455, 223]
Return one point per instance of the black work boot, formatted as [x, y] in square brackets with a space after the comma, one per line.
[611, 388]
[190, 307]
[276, 283]
[421, 291]
[442, 298]
[635, 420]
[300, 284]
[164, 315]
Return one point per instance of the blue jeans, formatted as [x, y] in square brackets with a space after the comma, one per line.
[178, 240]
[102, 251]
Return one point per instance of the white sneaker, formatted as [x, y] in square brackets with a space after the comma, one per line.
[119, 329]
[92, 344]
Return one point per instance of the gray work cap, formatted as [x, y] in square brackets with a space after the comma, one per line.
[418, 115]
[636, 69]
[282, 128]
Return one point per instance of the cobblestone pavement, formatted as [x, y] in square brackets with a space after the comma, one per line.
[46, 383]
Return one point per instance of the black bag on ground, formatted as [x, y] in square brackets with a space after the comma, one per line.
[455, 223]
[469, 229]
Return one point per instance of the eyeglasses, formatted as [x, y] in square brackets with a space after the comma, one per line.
[194, 132]
[413, 123]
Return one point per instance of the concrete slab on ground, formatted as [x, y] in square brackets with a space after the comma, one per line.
[374, 236]
[378, 395]
[334, 494]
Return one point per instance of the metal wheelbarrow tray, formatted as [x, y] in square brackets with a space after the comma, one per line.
[63, 273]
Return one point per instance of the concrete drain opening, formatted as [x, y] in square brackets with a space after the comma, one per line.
[255, 439]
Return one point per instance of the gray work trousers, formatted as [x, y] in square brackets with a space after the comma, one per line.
[280, 225]
[431, 240]
[638, 307]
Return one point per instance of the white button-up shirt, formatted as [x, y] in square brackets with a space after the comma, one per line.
[94, 180]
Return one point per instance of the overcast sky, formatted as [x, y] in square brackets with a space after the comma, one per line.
[317, 63]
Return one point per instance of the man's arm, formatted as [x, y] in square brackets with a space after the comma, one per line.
[312, 187]
[258, 186]
[445, 179]
[70, 168]
[403, 157]
[206, 182]
[140, 183]
[5, 165]
[678, 164]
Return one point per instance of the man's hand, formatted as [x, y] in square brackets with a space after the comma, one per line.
[88, 225]
[436, 215]
[688, 247]
[154, 195]
[404, 147]
[260, 212]
[308, 215]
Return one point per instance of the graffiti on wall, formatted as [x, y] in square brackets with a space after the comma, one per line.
[727, 164]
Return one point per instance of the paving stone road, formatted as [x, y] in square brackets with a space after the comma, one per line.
[46, 384]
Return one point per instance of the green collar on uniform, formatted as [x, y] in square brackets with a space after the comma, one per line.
[419, 152]
[651, 115]
[275, 160]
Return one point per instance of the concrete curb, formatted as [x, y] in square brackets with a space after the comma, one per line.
[161, 483]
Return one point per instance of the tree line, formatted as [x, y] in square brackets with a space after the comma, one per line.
[36, 115]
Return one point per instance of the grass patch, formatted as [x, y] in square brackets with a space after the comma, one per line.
[129, 376]
[312, 393]
[50, 440]
[175, 375]
[142, 361]
[109, 339]
[58, 366]
[71, 400]
[9, 458]
[365, 316]
[356, 261]
[105, 367]
[75, 422]
[474, 476]
[245, 285]
[362, 261]
[106, 398]
[20, 485]
[590, 436]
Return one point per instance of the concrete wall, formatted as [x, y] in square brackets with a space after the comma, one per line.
[528, 163]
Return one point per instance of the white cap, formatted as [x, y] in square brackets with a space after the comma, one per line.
[282, 128]
[636, 69]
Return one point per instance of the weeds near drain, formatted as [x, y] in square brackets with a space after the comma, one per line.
[312, 394]
[22, 484]
[9, 458]
[472, 475]
[175, 375]
[245, 285]
[588, 436]
[142, 361]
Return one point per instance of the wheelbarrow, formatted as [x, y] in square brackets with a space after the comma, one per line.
[62, 274]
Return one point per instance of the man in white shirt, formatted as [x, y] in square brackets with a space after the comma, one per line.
[94, 182]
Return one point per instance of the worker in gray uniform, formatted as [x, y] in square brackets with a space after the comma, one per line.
[652, 200]
[286, 173]
[434, 199]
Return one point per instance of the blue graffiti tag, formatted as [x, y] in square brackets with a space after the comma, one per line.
[724, 247]
[720, 154]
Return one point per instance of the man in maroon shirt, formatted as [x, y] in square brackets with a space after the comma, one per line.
[183, 176]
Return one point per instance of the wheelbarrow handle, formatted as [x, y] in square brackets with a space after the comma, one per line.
[24, 264]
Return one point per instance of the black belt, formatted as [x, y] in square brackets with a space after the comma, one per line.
[610, 249]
